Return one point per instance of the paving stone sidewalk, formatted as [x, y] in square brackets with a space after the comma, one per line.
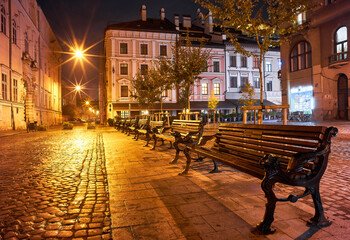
[148, 200]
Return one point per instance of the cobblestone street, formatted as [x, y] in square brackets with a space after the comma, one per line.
[102, 184]
[53, 185]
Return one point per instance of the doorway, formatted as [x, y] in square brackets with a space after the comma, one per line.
[343, 97]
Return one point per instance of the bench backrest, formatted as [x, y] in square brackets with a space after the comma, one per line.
[157, 124]
[143, 122]
[248, 143]
[186, 126]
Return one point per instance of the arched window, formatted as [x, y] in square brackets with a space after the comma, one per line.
[26, 43]
[341, 42]
[300, 57]
[3, 19]
[14, 32]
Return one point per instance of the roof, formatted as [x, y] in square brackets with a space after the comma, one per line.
[150, 25]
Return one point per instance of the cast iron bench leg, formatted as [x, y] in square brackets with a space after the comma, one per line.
[319, 219]
[216, 169]
[154, 142]
[188, 161]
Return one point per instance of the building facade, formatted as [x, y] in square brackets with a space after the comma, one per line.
[29, 65]
[315, 69]
[133, 46]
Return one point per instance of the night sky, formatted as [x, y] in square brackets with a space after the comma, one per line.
[71, 19]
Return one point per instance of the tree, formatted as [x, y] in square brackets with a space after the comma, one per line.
[267, 21]
[247, 97]
[149, 86]
[213, 103]
[71, 111]
[184, 67]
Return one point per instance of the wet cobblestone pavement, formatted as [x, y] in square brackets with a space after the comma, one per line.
[54, 185]
[101, 184]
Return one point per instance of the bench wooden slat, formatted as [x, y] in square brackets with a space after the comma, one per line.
[285, 146]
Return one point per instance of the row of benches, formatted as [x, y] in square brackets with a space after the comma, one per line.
[292, 155]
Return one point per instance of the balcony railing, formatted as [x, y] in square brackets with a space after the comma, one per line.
[338, 59]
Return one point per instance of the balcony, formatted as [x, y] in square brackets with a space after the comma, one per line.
[338, 60]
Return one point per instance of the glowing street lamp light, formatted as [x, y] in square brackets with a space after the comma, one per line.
[87, 103]
[77, 88]
[78, 54]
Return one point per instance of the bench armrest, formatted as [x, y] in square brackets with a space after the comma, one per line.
[204, 139]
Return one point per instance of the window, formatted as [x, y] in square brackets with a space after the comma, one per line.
[341, 43]
[216, 66]
[26, 43]
[300, 57]
[4, 86]
[165, 93]
[162, 50]
[14, 32]
[243, 61]
[256, 82]
[15, 90]
[244, 81]
[123, 69]
[123, 48]
[256, 62]
[301, 18]
[144, 69]
[3, 19]
[124, 114]
[144, 49]
[327, 2]
[269, 86]
[233, 62]
[268, 67]
[204, 88]
[124, 91]
[233, 82]
[217, 88]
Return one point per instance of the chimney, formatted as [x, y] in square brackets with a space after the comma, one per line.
[177, 21]
[186, 21]
[162, 14]
[210, 18]
[143, 13]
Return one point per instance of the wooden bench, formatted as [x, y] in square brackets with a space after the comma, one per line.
[133, 125]
[32, 126]
[292, 155]
[120, 123]
[142, 124]
[149, 129]
[125, 125]
[179, 129]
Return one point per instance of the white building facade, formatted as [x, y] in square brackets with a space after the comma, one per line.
[29, 65]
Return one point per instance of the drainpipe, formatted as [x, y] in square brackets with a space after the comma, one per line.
[39, 59]
[10, 65]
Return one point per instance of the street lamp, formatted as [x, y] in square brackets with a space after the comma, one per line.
[77, 88]
[78, 54]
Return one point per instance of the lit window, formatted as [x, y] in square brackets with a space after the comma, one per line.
[216, 66]
[217, 88]
[123, 48]
[14, 32]
[268, 67]
[162, 50]
[165, 93]
[4, 86]
[204, 88]
[123, 69]
[301, 18]
[233, 82]
[243, 61]
[341, 42]
[124, 114]
[124, 91]
[256, 82]
[144, 49]
[256, 62]
[144, 69]
[233, 62]
[15, 90]
[300, 57]
[3, 19]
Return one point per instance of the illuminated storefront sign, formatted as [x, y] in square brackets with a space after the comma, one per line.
[302, 99]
